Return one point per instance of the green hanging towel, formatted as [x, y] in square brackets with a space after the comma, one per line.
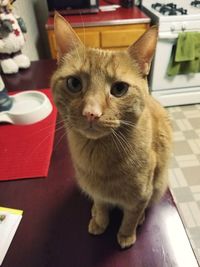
[185, 49]
[185, 56]
[173, 67]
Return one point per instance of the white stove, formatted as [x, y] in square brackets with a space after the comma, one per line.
[173, 18]
[165, 10]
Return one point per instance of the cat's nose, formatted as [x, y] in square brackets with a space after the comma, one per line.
[92, 113]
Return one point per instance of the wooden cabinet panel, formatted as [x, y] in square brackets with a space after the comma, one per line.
[120, 38]
[52, 43]
[113, 37]
[91, 39]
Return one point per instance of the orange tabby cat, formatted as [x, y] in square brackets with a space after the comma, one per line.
[119, 136]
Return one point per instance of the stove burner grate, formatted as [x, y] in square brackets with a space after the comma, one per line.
[195, 3]
[169, 9]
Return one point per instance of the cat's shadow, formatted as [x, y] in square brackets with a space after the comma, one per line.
[69, 242]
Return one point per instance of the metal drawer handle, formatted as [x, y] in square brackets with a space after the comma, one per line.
[168, 35]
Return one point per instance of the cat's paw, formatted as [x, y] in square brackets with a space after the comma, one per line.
[94, 228]
[125, 241]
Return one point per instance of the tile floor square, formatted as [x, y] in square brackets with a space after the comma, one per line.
[184, 172]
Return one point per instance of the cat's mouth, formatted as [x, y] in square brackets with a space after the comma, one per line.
[93, 131]
[96, 129]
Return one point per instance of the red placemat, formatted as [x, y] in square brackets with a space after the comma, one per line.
[25, 151]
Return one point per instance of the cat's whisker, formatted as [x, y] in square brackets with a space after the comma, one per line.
[127, 123]
[121, 143]
[122, 137]
[36, 148]
[125, 144]
[46, 137]
[58, 142]
[59, 128]
[74, 42]
[128, 146]
[78, 54]
[83, 27]
[68, 126]
[44, 128]
[64, 121]
[131, 149]
[114, 141]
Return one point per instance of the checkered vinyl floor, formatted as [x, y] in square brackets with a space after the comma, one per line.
[184, 172]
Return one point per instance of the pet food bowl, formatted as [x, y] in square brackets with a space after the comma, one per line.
[27, 108]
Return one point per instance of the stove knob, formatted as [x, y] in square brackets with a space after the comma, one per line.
[172, 27]
[184, 26]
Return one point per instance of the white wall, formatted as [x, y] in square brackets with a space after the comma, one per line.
[34, 13]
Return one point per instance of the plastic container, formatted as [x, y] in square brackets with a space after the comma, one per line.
[27, 108]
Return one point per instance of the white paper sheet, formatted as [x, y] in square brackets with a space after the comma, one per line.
[8, 227]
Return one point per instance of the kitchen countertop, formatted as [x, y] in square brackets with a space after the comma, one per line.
[120, 16]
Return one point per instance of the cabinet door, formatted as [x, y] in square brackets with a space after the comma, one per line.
[89, 38]
[52, 43]
[119, 38]
[113, 37]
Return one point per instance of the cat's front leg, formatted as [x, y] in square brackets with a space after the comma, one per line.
[131, 219]
[100, 218]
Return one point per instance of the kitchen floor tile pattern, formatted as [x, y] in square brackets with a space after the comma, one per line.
[184, 172]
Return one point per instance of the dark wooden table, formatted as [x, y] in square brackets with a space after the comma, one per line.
[53, 230]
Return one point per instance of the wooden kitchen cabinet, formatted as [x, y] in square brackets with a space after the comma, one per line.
[106, 30]
[104, 37]
[121, 36]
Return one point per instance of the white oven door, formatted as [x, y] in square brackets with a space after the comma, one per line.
[159, 80]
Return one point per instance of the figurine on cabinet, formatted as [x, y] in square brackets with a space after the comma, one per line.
[12, 40]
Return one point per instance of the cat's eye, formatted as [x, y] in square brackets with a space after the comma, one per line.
[74, 84]
[119, 89]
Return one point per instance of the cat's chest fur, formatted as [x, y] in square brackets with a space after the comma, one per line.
[109, 172]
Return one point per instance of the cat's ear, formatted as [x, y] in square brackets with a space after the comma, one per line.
[143, 49]
[66, 38]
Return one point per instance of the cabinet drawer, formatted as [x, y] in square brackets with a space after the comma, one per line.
[91, 39]
[105, 37]
[120, 38]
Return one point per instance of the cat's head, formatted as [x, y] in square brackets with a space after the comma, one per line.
[98, 91]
